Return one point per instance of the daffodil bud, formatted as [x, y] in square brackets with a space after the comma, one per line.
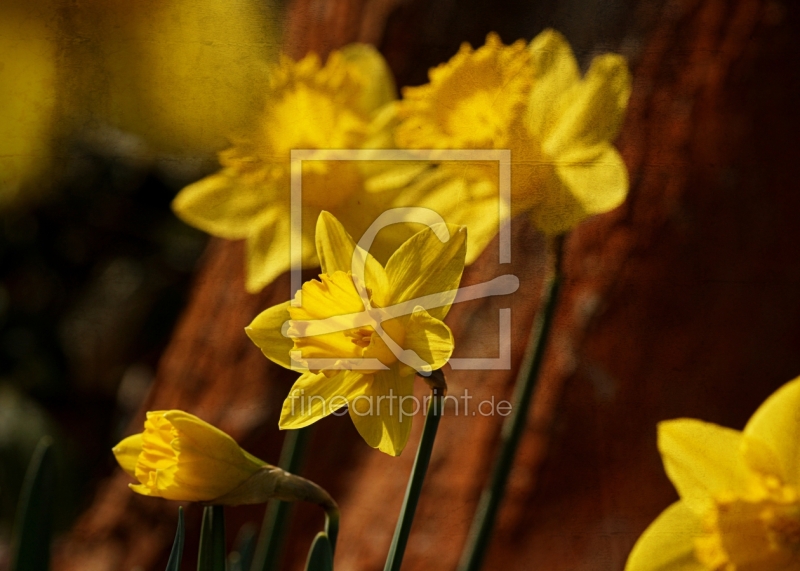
[181, 457]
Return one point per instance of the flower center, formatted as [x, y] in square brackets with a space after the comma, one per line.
[471, 101]
[157, 463]
[752, 535]
[307, 107]
[322, 327]
[477, 100]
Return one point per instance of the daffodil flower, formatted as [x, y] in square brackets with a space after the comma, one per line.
[369, 361]
[739, 507]
[181, 457]
[532, 100]
[345, 104]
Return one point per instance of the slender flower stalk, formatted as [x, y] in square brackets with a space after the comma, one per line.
[480, 533]
[395, 558]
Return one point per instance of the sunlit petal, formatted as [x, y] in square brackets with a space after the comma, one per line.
[426, 265]
[702, 460]
[776, 423]
[668, 543]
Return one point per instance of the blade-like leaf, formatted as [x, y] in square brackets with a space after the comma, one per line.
[241, 557]
[174, 563]
[320, 556]
[31, 544]
[212, 540]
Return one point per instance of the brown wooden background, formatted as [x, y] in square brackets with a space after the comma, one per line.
[683, 302]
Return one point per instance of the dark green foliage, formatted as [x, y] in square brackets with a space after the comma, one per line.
[212, 555]
[174, 563]
[33, 526]
[320, 556]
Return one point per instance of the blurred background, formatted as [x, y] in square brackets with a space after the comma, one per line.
[106, 111]
[683, 302]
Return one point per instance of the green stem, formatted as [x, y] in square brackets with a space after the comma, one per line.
[332, 525]
[400, 539]
[273, 529]
[480, 533]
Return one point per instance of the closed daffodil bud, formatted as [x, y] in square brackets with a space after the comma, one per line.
[181, 457]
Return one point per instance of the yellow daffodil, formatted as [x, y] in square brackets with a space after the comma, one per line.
[377, 331]
[532, 100]
[181, 457]
[739, 507]
[341, 105]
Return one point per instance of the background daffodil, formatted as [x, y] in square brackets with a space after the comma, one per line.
[532, 100]
[339, 105]
[740, 507]
[430, 262]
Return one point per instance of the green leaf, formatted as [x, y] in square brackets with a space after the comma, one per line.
[212, 540]
[320, 556]
[269, 547]
[241, 558]
[174, 563]
[32, 529]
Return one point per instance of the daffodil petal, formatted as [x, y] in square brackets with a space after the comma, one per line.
[377, 413]
[777, 424]
[127, 453]
[268, 253]
[599, 184]
[315, 396]
[702, 459]
[555, 71]
[211, 440]
[668, 543]
[760, 457]
[592, 111]
[209, 460]
[379, 88]
[265, 331]
[558, 211]
[397, 176]
[223, 205]
[429, 338]
[424, 265]
[335, 249]
[466, 201]
[141, 489]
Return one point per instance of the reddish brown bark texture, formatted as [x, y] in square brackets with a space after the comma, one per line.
[683, 302]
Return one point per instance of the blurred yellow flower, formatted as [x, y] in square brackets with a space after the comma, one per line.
[367, 356]
[181, 457]
[532, 100]
[28, 48]
[180, 74]
[739, 506]
[341, 105]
